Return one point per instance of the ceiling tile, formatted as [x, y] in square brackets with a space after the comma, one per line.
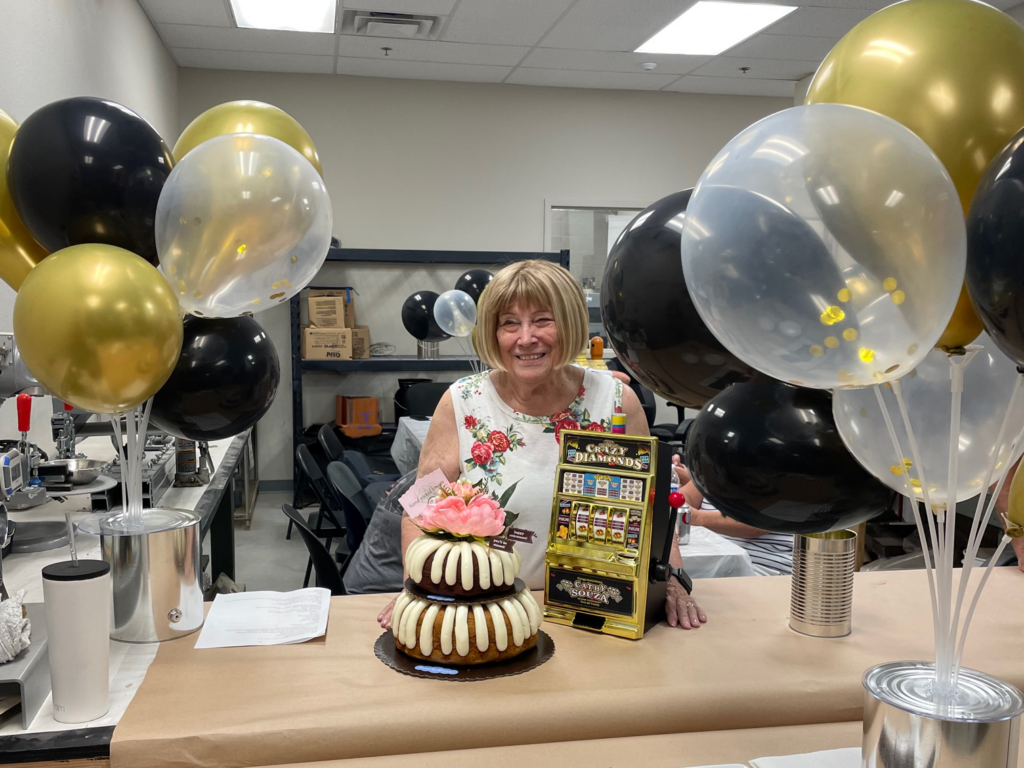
[819, 22]
[641, 81]
[613, 25]
[211, 13]
[257, 40]
[432, 50]
[423, 7]
[735, 86]
[791, 47]
[473, 73]
[250, 60]
[761, 69]
[503, 22]
[610, 61]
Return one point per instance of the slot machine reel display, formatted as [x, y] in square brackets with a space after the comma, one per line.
[611, 534]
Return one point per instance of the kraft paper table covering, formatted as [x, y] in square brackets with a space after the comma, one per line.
[331, 698]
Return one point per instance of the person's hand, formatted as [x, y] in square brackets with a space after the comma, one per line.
[681, 609]
[384, 617]
[681, 471]
[1018, 547]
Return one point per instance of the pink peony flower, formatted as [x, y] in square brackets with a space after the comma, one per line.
[482, 517]
[463, 489]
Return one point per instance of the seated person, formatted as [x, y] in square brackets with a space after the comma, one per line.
[377, 564]
[770, 553]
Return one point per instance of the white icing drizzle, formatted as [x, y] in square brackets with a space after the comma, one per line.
[508, 568]
[427, 629]
[437, 567]
[483, 563]
[482, 637]
[416, 555]
[520, 621]
[532, 609]
[496, 569]
[451, 567]
[462, 630]
[500, 632]
[466, 558]
[447, 628]
[409, 619]
[396, 614]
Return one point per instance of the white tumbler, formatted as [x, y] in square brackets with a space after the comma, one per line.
[77, 601]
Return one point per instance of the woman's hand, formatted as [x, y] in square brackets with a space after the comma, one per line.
[682, 610]
[681, 471]
[384, 617]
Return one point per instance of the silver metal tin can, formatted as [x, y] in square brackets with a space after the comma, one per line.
[821, 599]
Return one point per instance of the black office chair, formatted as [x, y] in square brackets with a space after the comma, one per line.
[329, 441]
[356, 507]
[325, 521]
[422, 399]
[366, 470]
[327, 573]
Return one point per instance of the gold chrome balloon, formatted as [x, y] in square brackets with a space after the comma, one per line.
[963, 327]
[99, 327]
[19, 251]
[1015, 507]
[952, 71]
[247, 117]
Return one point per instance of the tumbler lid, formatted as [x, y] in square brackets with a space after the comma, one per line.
[80, 571]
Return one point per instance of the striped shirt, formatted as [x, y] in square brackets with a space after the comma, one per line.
[770, 553]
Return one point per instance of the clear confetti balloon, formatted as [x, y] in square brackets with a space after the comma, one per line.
[825, 247]
[455, 313]
[988, 381]
[243, 224]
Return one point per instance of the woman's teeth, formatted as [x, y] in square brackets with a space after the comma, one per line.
[530, 357]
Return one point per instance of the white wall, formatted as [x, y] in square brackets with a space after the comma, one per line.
[55, 49]
[431, 165]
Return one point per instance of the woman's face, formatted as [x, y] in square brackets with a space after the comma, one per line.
[528, 340]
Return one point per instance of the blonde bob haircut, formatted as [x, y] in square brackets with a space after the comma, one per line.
[533, 283]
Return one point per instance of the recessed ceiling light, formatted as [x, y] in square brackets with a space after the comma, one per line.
[295, 15]
[710, 27]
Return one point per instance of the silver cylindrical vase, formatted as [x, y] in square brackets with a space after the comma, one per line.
[821, 598]
[155, 570]
[904, 727]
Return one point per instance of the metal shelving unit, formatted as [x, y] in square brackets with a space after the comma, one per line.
[391, 363]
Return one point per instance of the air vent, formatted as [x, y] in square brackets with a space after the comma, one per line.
[407, 26]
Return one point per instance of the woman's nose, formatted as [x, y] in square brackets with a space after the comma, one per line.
[527, 333]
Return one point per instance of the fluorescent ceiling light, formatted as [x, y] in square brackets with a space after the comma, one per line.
[294, 15]
[710, 27]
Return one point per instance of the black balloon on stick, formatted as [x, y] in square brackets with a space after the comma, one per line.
[473, 282]
[87, 170]
[768, 454]
[418, 317]
[651, 321]
[225, 380]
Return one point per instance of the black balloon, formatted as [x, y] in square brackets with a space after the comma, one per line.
[474, 282]
[651, 321]
[88, 170]
[224, 382]
[995, 250]
[768, 454]
[418, 317]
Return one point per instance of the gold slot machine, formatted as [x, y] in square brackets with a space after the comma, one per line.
[610, 535]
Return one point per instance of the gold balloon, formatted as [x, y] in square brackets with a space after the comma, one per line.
[19, 251]
[247, 117]
[952, 71]
[964, 326]
[99, 327]
[1015, 508]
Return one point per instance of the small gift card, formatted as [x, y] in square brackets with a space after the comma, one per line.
[423, 491]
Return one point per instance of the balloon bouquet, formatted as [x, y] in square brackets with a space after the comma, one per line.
[825, 249]
[429, 317]
[93, 202]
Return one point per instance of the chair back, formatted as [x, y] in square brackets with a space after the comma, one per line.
[356, 506]
[359, 465]
[327, 574]
[422, 399]
[329, 441]
[330, 501]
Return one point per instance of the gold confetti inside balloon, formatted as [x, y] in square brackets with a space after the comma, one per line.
[988, 381]
[19, 251]
[247, 117]
[243, 224]
[825, 246]
[98, 327]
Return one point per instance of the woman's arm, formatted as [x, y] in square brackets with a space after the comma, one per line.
[714, 520]
[636, 421]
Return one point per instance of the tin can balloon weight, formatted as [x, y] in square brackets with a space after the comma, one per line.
[455, 313]
[243, 224]
[882, 255]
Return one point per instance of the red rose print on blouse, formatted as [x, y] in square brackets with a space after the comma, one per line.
[499, 441]
[481, 452]
[469, 422]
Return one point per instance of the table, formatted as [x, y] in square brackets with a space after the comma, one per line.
[332, 699]
[710, 556]
[409, 437]
[128, 662]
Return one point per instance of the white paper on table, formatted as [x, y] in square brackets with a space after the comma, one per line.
[266, 618]
[831, 758]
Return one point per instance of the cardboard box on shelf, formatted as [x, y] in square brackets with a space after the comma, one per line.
[357, 416]
[360, 343]
[336, 343]
[331, 308]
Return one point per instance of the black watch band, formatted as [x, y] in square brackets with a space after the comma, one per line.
[683, 578]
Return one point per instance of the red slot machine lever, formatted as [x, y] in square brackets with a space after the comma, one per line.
[24, 412]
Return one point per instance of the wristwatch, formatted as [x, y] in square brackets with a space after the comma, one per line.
[683, 578]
